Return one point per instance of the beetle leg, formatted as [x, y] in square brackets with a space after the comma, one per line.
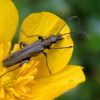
[23, 44]
[47, 62]
[23, 62]
[40, 38]
[61, 47]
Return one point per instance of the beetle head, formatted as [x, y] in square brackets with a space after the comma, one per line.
[55, 38]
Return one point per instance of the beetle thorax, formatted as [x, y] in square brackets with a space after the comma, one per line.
[51, 40]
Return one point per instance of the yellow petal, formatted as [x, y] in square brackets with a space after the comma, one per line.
[51, 87]
[46, 24]
[8, 20]
[4, 50]
[1, 92]
[7, 48]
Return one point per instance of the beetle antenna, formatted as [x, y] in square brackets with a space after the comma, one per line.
[61, 29]
[64, 34]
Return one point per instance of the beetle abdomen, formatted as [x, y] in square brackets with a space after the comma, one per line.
[22, 54]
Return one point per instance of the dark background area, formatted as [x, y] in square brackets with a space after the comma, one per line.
[86, 38]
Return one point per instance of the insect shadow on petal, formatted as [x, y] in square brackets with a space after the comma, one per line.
[80, 35]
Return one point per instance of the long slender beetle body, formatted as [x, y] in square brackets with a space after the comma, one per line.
[31, 50]
[34, 49]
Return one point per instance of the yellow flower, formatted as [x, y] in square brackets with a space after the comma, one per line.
[32, 80]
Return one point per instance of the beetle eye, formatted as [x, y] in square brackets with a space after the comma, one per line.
[59, 37]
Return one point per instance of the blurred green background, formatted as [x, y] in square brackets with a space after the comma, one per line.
[87, 48]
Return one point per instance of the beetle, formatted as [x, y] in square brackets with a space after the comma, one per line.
[34, 49]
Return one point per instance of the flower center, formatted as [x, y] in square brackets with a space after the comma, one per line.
[15, 80]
